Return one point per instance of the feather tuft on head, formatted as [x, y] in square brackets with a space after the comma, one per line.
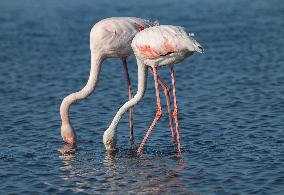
[191, 34]
[156, 23]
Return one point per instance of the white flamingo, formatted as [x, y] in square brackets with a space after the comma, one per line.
[109, 38]
[154, 47]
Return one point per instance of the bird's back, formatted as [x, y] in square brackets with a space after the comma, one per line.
[113, 36]
[158, 41]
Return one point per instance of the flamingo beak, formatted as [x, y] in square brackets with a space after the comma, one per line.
[194, 46]
[199, 49]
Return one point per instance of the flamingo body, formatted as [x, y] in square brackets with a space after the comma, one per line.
[164, 45]
[155, 46]
[112, 36]
[109, 38]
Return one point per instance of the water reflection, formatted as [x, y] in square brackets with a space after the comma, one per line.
[145, 174]
[121, 170]
[67, 155]
[67, 152]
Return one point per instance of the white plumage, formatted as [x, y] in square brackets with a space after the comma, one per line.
[164, 45]
[113, 36]
[155, 46]
[109, 38]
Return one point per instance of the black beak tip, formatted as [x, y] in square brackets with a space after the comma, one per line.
[201, 49]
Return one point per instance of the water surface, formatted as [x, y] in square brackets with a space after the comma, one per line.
[231, 101]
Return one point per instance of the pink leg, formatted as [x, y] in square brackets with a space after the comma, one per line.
[158, 114]
[167, 94]
[175, 113]
[129, 97]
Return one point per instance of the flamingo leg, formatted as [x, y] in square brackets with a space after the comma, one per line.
[158, 113]
[175, 113]
[168, 99]
[130, 96]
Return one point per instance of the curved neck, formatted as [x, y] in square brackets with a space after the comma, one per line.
[96, 60]
[142, 84]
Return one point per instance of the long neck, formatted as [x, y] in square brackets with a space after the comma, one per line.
[96, 60]
[142, 83]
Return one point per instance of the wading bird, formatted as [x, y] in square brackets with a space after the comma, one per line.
[109, 38]
[155, 47]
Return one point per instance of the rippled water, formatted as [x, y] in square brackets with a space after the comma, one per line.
[231, 101]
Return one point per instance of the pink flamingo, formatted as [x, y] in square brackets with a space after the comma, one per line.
[109, 38]
[155, 47]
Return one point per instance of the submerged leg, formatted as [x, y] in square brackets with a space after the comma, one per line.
[158, 113]
[129, 98]
[175, 113]
[167, 94]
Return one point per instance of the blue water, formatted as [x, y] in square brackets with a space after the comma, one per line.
[231, 101]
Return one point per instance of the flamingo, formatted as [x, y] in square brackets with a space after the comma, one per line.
[155, 47]
[109, 38]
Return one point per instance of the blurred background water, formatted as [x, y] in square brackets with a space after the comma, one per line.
[231, 101]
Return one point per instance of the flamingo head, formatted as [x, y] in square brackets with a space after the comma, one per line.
[68, 134]
[193, 45]
[109, 139]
